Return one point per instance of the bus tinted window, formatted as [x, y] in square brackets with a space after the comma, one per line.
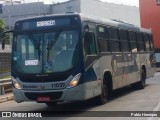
[89, 43]
[133, 41]
[114, 41]
[141, 45]
[151, 42]
[147, 43]
[103, 45]
[114, 33]
[103, 39]
[124, 40]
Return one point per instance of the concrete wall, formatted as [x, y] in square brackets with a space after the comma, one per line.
[96, 8]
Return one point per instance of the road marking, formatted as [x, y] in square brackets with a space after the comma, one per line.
[155, 109]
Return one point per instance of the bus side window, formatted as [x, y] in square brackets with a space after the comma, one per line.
[89, 44]
[151, 42]
[147, 42]
[114, 41]
[133, 42]
[124, 40]
[103, 38]
[141, 45]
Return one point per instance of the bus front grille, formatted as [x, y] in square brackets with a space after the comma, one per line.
[42, 79]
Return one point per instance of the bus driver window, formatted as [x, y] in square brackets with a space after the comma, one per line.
[89, 44]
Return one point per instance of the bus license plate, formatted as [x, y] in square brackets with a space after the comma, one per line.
[43, 99]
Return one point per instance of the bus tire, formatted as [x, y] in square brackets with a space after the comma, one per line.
[51, 104]
[108, 78]
[106, 89]
[102, 99]
[142, 83]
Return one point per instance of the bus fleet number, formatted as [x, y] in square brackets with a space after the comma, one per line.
[58, 85]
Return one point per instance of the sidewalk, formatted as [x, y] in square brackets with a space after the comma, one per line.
[6, 97]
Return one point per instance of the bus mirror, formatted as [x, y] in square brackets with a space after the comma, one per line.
[3, 38]
[86, 28]
[3, 41]
[3, 44]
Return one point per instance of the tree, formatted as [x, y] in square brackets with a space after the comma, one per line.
[2, 27]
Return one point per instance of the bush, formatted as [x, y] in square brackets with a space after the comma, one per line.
[2, 29]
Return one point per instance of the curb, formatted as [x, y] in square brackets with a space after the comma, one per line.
[5, 99]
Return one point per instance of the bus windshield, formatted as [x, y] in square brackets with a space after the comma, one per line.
[38, 53]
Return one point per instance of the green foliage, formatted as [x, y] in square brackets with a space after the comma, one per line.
[2, 28]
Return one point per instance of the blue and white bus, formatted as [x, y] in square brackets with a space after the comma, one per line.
[72, 57]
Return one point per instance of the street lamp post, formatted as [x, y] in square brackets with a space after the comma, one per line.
[9, 17]
[38, 8]
[69, 7]
[9, 22]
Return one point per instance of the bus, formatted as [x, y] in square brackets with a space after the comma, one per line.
[73, 57]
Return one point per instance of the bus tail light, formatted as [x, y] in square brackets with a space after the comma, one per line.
[74, 81]
[16, 84]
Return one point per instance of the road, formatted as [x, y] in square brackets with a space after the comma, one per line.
[125, 99]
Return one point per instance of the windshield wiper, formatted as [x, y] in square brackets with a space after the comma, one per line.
[52, 42]
[37, 46]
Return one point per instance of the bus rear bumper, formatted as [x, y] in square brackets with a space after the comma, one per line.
[71, 94]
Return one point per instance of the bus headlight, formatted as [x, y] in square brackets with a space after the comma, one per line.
[74, 81]
[16, 84]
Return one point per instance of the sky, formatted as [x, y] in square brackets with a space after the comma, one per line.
[125, 2]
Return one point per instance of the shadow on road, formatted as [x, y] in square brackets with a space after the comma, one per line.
[81, 108]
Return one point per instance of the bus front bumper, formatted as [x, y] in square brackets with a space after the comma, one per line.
[71, 94]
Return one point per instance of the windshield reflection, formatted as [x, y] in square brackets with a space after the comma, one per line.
[45, 52]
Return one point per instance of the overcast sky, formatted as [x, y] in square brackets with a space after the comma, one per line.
[126, 2]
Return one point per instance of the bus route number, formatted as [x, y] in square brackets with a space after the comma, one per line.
[58, 85]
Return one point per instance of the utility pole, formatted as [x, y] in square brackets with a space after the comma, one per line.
[38, 8]
[12, 2]
[69, 7]
[9, 17]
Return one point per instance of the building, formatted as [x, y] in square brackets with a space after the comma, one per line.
[95, 8]
[150, 19]
[12, 13]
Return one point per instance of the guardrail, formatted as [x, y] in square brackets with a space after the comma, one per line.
[5, 86]
[4, 74]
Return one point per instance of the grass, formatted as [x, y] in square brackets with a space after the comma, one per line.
[5, 77]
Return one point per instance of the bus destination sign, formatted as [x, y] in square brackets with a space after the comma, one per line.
[46, 23]
[43, 23]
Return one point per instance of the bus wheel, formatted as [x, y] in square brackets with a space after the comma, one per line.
[142, 83]
[51, 104]
[102, 99]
